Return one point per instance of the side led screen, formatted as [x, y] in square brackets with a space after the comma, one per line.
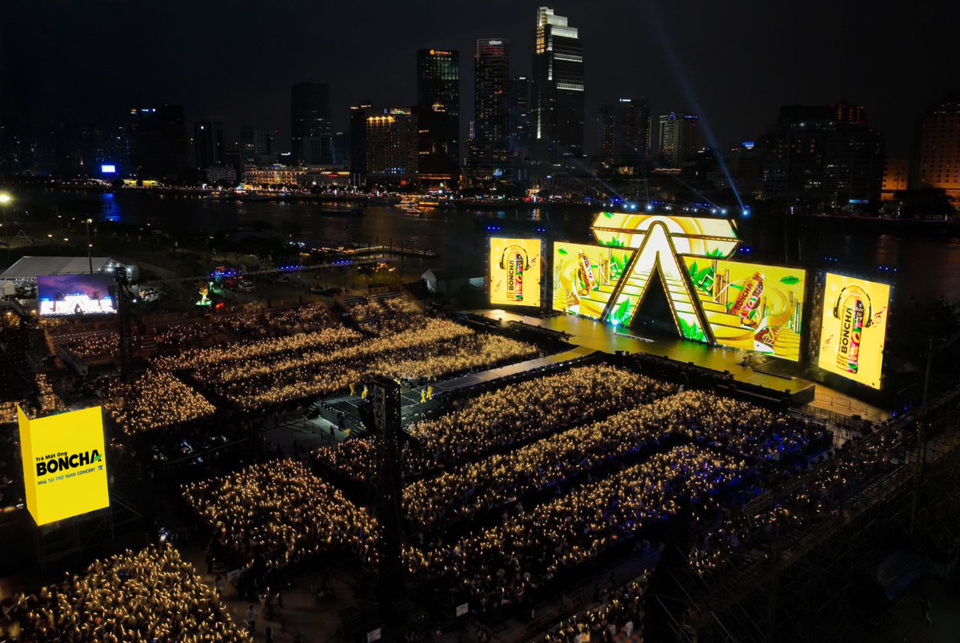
[854, 328]
[585, 277]
[515, 266]
[751, 306]
[76, 294]
[64, 466]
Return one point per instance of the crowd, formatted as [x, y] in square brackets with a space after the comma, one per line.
[374, 307]
[260, 349]
[439, 348]
[814, 502]
[504, 418]
[155, 400]
[246, 325]
[623, 611]
[281, 512]
[737, 427]
[153, 595]
[503, 565]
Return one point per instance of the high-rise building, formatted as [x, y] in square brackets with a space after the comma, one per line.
[558, 105]
[438, 114]
[519, 102]
[257, 146]
[624, 129]
[825, 155]
[158, 141]
[390, 145]
[940, 148]
[209, 147]
[489, 157]
[358, 140]
[678, 138]
[311, 133]
[895, 178]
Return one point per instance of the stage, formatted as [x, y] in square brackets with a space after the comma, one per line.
[595, 335]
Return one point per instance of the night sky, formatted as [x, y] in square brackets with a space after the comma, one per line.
[234, 60]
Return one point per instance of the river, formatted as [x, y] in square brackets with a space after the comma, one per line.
[924, 262]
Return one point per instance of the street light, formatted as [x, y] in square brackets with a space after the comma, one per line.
[4, 200]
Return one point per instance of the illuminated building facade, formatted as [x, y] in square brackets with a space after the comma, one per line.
[679, 139]
[302, 176]
[390, 145]
[489, 156]
[311, 134]
[624, 129]
[558, 86]
[895, 174]
[438, 114]
[940, 148]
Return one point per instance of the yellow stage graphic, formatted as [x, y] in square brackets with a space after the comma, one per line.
[584, 278]
[64, 464]
[854, 328]
[660, 242]
[515, 266]
[751, 306]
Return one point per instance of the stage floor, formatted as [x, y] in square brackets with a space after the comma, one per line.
[595, 335]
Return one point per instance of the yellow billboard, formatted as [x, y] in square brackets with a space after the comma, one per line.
[515, 266]
[585, 277]
[751, 306]
[64, 465]
[854, 328]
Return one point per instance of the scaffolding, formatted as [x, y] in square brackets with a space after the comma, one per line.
[819, 581]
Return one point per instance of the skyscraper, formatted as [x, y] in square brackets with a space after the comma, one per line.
[519, 113]
[311, 133]
[158, 141]
[209, 148]
[558, 86]
[358, 140]
[390, 145]
[624, 129]
[438, 114]
[678, 138]
[940, 148]
[488, 150]
[257, 146]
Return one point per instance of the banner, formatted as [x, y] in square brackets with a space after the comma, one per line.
[854, 328]
[751, 306]
[64, 464]
[515, 266]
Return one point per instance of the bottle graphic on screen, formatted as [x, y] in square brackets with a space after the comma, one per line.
[851, 310]
[587, 278]
[749, 299]
[515, 262]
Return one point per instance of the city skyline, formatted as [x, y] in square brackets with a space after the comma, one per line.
[107, 61]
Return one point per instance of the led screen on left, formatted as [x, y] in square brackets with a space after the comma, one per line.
[515, 267]
[76, 295]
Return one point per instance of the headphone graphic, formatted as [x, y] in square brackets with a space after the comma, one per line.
[868, 321]
[520, 251]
